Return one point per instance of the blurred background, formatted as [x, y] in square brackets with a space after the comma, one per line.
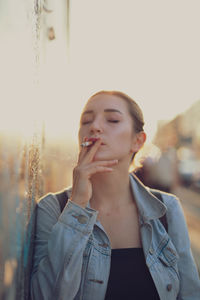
[53, 56]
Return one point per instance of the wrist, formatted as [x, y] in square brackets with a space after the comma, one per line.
[79, 202]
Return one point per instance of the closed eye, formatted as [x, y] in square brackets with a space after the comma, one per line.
[86, 122]
[111, 121]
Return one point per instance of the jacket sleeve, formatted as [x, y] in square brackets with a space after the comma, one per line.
[177, 229]
[60, 240]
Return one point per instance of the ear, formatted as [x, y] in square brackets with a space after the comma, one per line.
[138, 141]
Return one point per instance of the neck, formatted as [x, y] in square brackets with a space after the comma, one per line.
[111, 190]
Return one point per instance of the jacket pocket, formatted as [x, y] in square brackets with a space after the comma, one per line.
[169, 257]
[168, 254]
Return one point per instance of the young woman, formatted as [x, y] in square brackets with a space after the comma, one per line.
[108, 242]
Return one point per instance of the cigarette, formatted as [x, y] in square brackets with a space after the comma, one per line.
[86, 144]
[90, 142]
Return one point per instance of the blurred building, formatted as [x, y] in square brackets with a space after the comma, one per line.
[183, 134]
[182, 131]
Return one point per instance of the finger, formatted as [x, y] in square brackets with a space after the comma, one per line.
[82, 153]
[104, 163]
[86, 170]
[83, 150]
[99, 169]
[92, 151]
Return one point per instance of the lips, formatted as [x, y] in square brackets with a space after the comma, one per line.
[93, 140]
[90, 141]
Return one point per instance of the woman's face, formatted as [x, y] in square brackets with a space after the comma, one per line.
[107, 117]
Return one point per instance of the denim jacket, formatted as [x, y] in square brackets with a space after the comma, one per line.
[72, 250]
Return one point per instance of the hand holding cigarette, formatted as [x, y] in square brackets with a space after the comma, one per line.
[86, 167]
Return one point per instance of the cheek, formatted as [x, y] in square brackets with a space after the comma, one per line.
[124, 136]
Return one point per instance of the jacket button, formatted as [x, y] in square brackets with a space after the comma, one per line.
[169, 287]
[82, 219]
[151, 251]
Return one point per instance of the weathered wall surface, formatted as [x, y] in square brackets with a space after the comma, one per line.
[20, 186]
[28, 170]
[27, 27]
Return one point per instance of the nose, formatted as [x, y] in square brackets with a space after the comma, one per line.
[96, 126]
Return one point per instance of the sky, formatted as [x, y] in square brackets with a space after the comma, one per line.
[148, 49]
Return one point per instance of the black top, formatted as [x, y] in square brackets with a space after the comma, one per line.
[129, 276]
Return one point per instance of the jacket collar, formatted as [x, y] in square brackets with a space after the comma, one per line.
[149, 206]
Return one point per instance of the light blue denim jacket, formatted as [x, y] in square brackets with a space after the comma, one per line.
[73, 253]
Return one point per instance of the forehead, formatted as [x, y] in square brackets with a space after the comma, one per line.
[103, 101]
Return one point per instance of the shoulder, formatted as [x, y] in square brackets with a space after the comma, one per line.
[167, 198]
[171, 201]
[174, 210]
[47, 199]
[51, 201]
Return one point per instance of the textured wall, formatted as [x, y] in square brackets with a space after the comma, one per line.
[20, 186]
[25, 172]
[20, 182]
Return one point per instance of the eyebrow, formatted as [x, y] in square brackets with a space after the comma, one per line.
[105, 110]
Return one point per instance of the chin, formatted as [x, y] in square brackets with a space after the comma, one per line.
[103, 156]
[99, 157]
